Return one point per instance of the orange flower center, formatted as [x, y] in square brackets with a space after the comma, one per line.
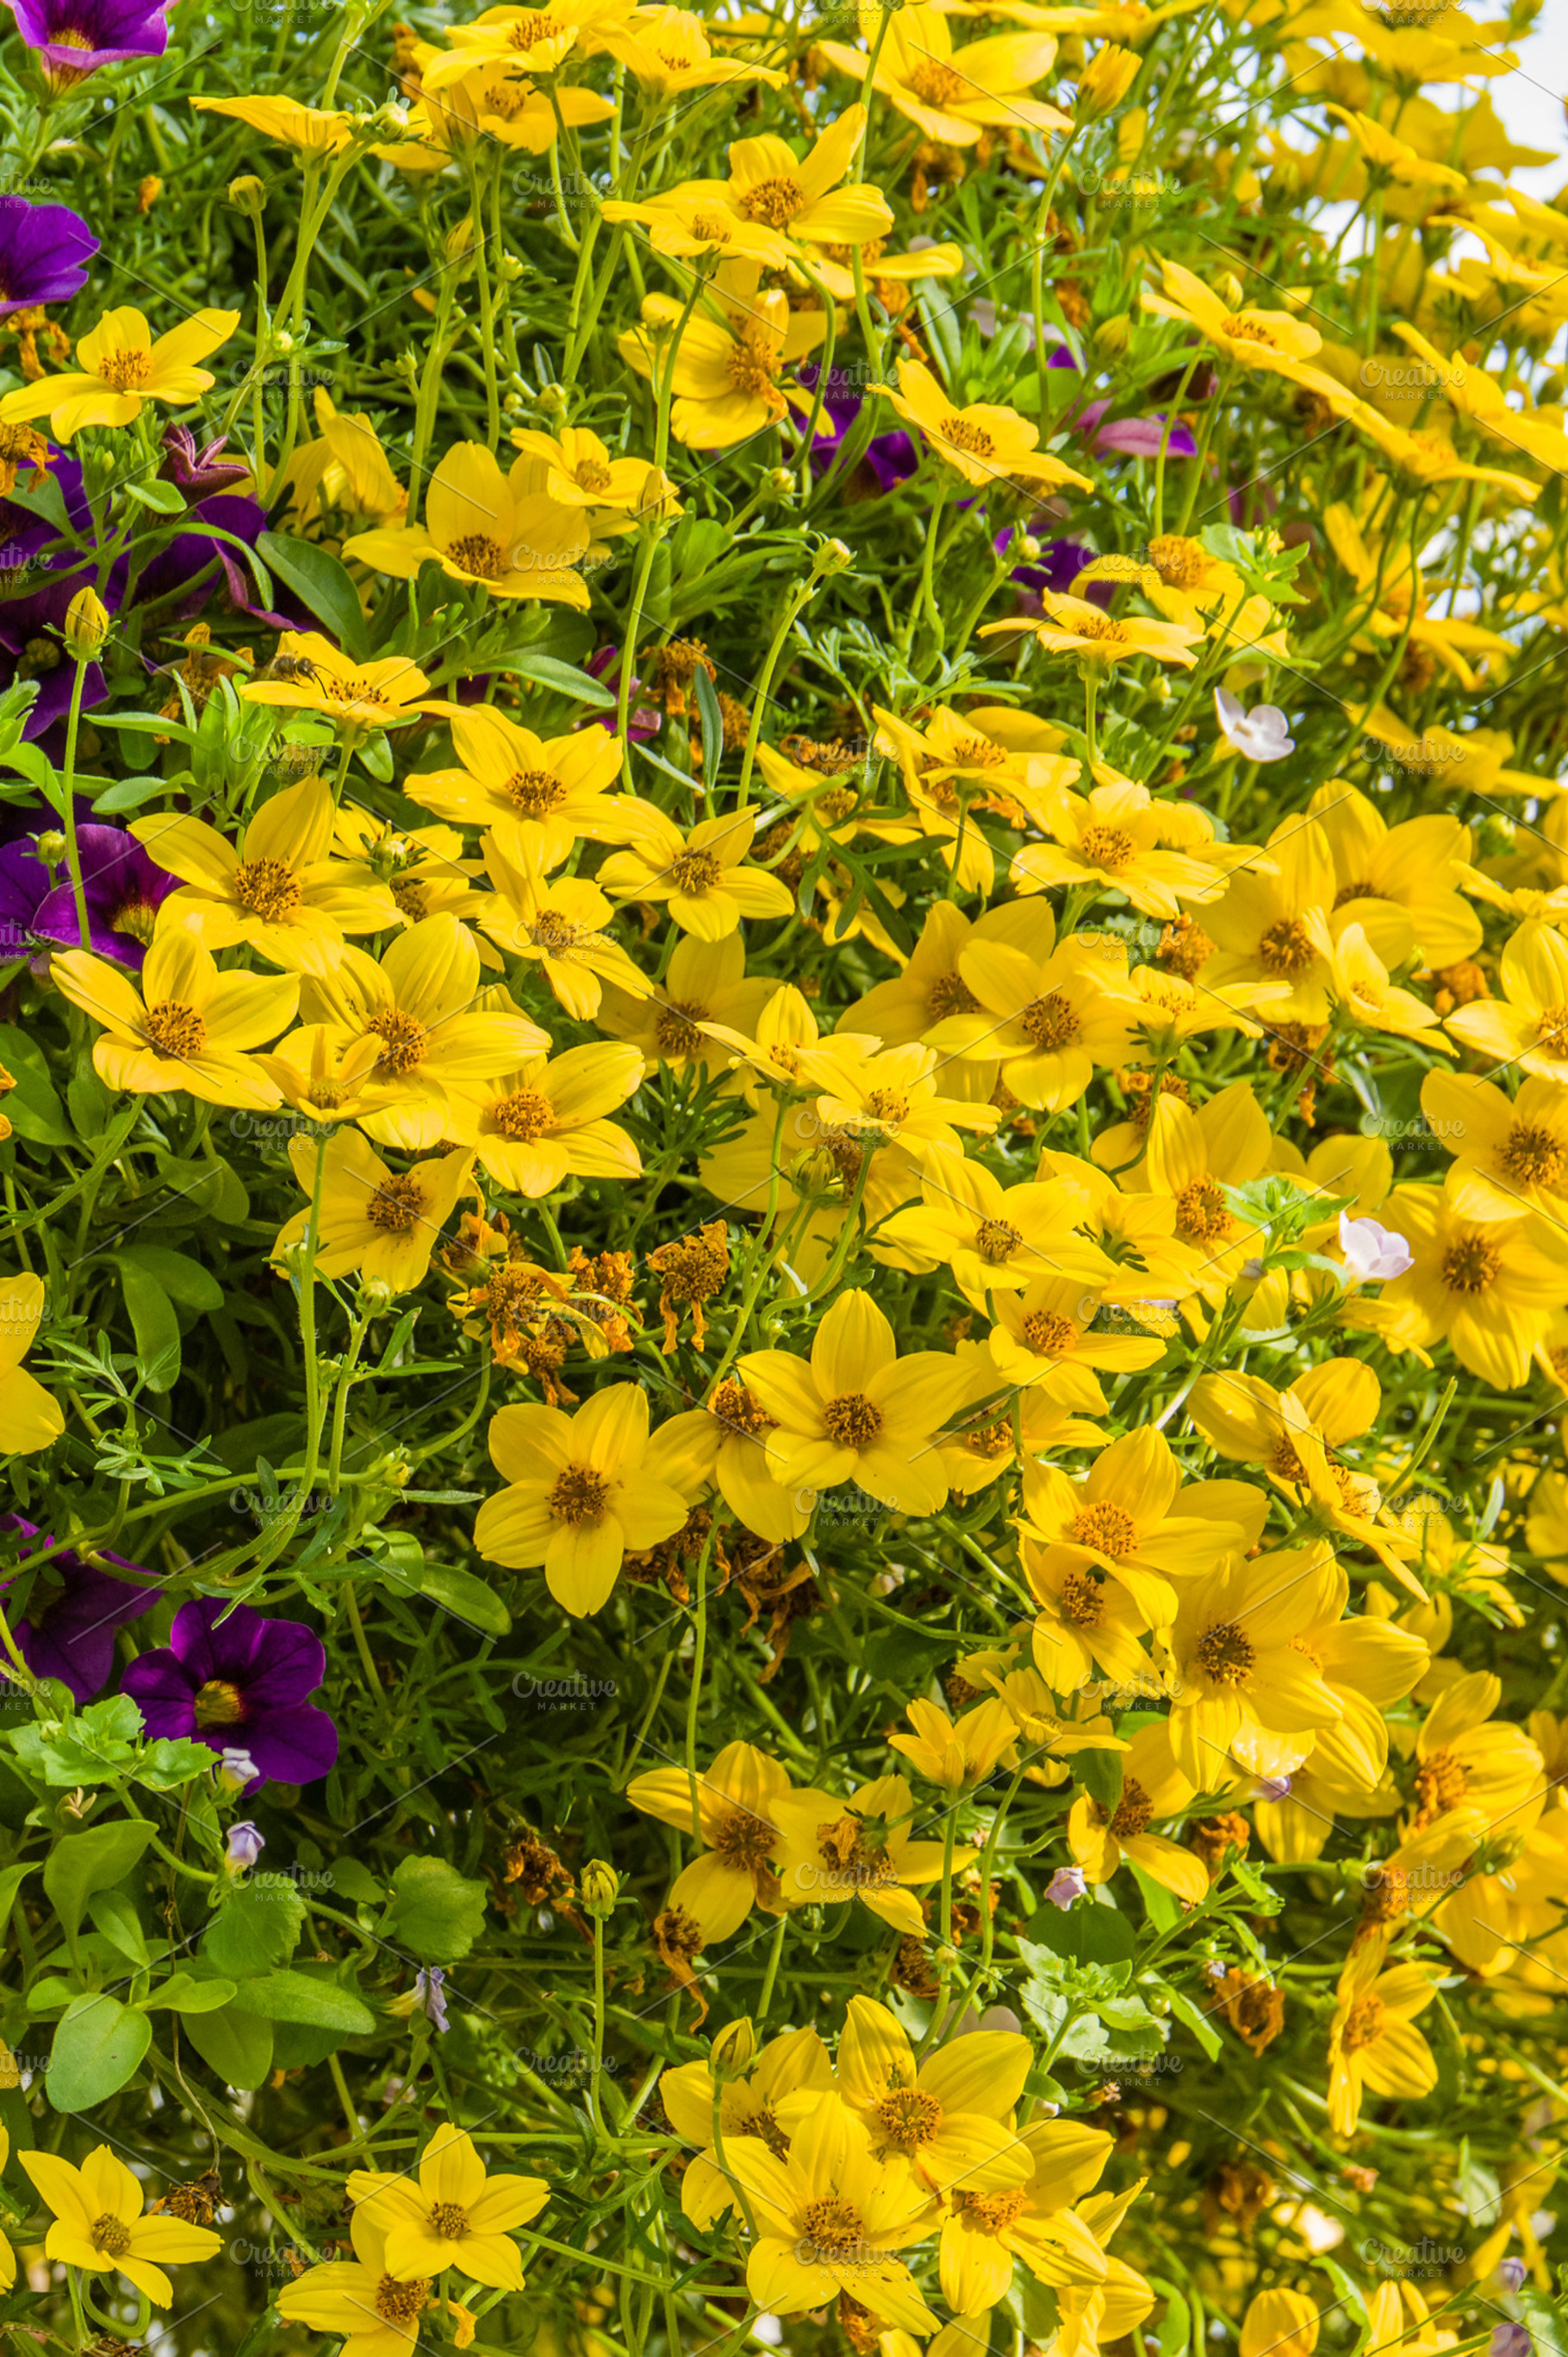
[1287, 948]
[1533, 1154]
[268, 888]
[1552, 1031]
[535, 792]
[126, 369]
[908, 2118]
[696, 871]
[174, 1029]
[1363, 2023]
[402, 1039]
[1202, 1215]
[995, 1242]
[447, 2222]
[775, 201]
[1471, 1264]
[852, 1420]
[110, 2234]
[1109, 1529]
[961, 433]
[476, 553]
[1111, 848]
[523, 1116]
[400, 2303]
[1050, 1023]
[1050, 1334]
[396, 1206]
[579, 1495]
[937, 83]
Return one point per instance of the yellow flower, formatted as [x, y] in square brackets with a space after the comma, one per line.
[1397, 882]
[1372, 2039]
[1048, 1335]
[122, 369]
[382, 1223]
[420, 868]
[990, 447]
[327, 1076]
[668, 50]
[696, 219]
[454, 2216]
[575, 470]
[1467, 1760]
[856, 1412]
[1422, 455]
[787, 2069]
[949, 2117]
[312, 130]
[552, 787]
[956, 1753]
[1508, 1156]
[732, 1809]
[29, 1416]
[488, 529]
[1529, 1025]
[411, 1016]
[955, 95]
[278, 891]
[725, 374]
[1487, 1288]
[1048, 1017]
[317, 676]
[1152, 1786]
[828, 2218]
[1074, 627]
[983, 1444]
[1271, 340]
[1359, 986]
[359, 2299]
[1243, 1687]
[771, 186]
[930, 986]
[533, 1127]
[1113, 838]
[188, 1028]
[99, 2226]
[724, 1444]
[703, 876]
[859, 1848]
[513, 37]
[984, 2232]
[579, 1494]
[1271, 925]
[1280, 2323]
[1192, 1158]
[559, 926]
[993, 1238]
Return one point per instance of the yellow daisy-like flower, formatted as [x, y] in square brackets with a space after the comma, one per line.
[1486, 1286]
[328, 1076]
[990, 447]
[726, 375]
[422, 868]
[381, 1224]
[99, 2226]
[956, 95]
[359, 2299]
[1047, 1018]
[956, 1752]
[1244, 1688]
[187, 1028]
[1271, 340]
[723, 1445]
[532, 1127]
[1047, 1334]
[829, 2220]
[1074, 627]
[1359, 986]
[668, 50]
[859, 1848]
[515, 39]
[123, 368]
[277, 890]
[1152, 1786]
[453, 2215]
[994, 1238]
[855, 1411]
[1528, 1024]
[412, 1019]
[1509, 1155]
[575, 470]
[1114, 838]
[803, 197]
[558, 925]
[696, 218]
[732, 1809]
[311, 130]
[984, 2233]
[704, 1001]
[556, 786]
[1372, 2039]
[950, 2115]
[30, 1416]
[794, 2065]
[580, 1494]
[488, 529]
[313, 676]
[703, 877]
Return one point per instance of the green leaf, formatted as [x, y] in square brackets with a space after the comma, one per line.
[1175, 2325]
[150, 491]
[1100, 1774]
[435, 1913]
[181, 1993]
[299, 1996]
[94, 1748]
[323, 582]
[350, 1880]
[171, 1761]
[155, 1326]
[183, 1279]
[97, 2048]
[466, 1597]
[33, 1106]
[113, 1914]
[238, 2046]
[91, 1861]
[1192, 2016]
[11, 1880]
[713, 726]
[257, 1926]
[129, 793]
[549, 671]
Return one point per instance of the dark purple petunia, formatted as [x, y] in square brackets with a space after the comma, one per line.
[198, 472]
[72, 1614]
[123, 888]
[44, 251]
[181, 576]
[890, 458]
[229, 1677]
[73, 39]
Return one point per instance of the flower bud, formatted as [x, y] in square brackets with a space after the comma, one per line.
[459, 240]
[1230, 291]
[598, 1889]
[1106, 79]
[375, 1294]
[235, 1770]
[245, 1846]
[834, 557]
[248, 195]
[779, 483]
[732, 2051]
[86, 625]
[1112, 335]
[52, 847]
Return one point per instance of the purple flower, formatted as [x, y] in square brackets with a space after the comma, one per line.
[1373, 1252]
[429, 1985]
[44, 251]
[1511, 2273]
[198, 472]
[892, 458]
[244, 1847]
[76, 37]
[1509, 2340]
[229, 1675]
[72, 1613]
[124, 890]
[1068, 1885]
[1135, 437]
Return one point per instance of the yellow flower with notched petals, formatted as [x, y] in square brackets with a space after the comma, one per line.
[187, 1028]
[1270, 340]
[380, 1222]
[732, 1809]
[313, 676]
[1372, 2040]
[727, 375]
[956, 95]
[668, 50]
[949, 2115]
[860, 1848]
[703, 877]
[1486, 1286]
[793, 2065]
[455, 2215]
[533, 1127]
[802, 198]
[1244, 1687]
[558, 925]
[1073, 627]
[359, 2299]
[552, 787]
[488, 529]
[828, 2218]
[311, 130]
[581, 1493]
[1037, 2222]
[988, 445]
[99, 2224]
[123, 368]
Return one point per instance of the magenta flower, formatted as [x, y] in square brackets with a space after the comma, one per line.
[74, 38]
[124, 890]
[73, 1612]
[229, 1676]
[44, 251]
[196, 469]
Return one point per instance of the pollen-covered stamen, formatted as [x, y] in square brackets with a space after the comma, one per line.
[579, 1495]
[1050, 1023]
[1441, 1783]
[219, 1703]
[1181, 563]
[1252, 331]
[744, 1839]
[125, 370]
[1111, 848]
[1106, 1527]
[523, 1116]
[995, 1242]
[753, 365]
[993, 2212]
[695, 872]
[400, 2303]
[908, 2118]
[962, 433]
[675, 1031]
[1285, 948]
[411, 899]
[110, 2236]
[1132, 1812]
[1226, 1654]
[402, 1038]
[950, 995]
[939, 84]
[1050, 1334]
[396, 1206]
[1082, 1600]
[1533, 1154]
[268, 888]
[592, 474]
[741, 1410]
[534, 792]
[1201, 1214]
[1100, 629]
[476, 553]
[174, 1029]
[843, 1846]
[447, 2221]
[852, 1419]
[833, 2225]
[1363, 2023]
[1551, 1031]
[1471, 1264]
[775, 202]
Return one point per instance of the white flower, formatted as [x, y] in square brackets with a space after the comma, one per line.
[1374, 1254]
[1261, 735]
